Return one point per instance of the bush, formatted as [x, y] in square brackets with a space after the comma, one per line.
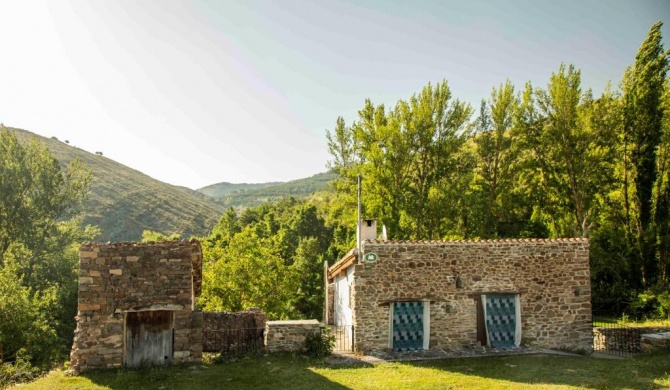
[320, 344]
[19, 371]
[653, 303]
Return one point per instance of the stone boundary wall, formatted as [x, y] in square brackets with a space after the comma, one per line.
[289, 336]
[550, 276]
[628, 339]
[118, 278]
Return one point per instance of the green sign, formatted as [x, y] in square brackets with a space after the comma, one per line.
[370, 258]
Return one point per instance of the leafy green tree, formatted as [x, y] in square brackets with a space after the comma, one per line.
[36, 192]
[496, 157]
[152, 236]
[38, 250]
[308, 269]
[405, 156]
[248, 274]
[643, 127]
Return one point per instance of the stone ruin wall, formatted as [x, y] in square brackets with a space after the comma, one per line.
[551, 277]
[289, 336]
[127, 277]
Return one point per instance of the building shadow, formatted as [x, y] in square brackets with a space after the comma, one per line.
[257, 373]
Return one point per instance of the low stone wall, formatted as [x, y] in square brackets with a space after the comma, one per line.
[233, 332]
[655, 341]
[626, 339]
[289, 336]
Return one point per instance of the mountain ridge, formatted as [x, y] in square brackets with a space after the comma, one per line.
[124, 201]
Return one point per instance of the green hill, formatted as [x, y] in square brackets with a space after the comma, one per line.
[220, 190]
[124, 202]
[268, 192]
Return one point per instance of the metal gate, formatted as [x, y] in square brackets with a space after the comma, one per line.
[407, 326]
[616, 339]
[233, 342]
[344, 337]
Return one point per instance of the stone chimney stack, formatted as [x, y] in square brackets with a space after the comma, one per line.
[368, 229]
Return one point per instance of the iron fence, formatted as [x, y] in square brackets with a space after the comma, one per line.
[233, 342]
[615, 339]
[344, 337]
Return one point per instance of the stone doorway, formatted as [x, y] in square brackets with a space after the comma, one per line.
[149, 338]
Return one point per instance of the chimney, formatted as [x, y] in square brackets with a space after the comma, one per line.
[368, 229]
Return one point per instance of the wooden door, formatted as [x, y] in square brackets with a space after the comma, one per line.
[149, 338]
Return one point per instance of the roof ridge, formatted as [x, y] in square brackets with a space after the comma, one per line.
[475, 240]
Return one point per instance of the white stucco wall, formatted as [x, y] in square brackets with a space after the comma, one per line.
[342, 303]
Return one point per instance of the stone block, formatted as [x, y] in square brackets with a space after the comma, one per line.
[88, 306]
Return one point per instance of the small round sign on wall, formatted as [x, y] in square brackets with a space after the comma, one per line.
[370, 258]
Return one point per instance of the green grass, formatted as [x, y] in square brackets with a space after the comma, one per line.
[289, 372]
[626, 321]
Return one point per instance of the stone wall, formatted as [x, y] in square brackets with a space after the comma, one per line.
[118, 278]
[289, 336]
[625, 339]
[550, 276]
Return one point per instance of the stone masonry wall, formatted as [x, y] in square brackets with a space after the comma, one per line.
[289, 336]
[550, 276]
[118, 278]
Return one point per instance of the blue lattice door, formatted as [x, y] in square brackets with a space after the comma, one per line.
[407, 326]
[502, 320]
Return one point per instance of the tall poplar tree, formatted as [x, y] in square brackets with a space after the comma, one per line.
[643, 120]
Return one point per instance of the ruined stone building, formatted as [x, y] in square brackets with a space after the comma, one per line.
[412, 295]
[136, 305]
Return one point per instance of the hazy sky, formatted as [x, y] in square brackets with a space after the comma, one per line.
[199, 92]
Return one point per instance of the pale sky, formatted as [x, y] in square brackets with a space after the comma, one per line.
[194, 93]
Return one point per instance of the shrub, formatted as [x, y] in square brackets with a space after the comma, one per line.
[320, 344]
[19, 371]
[653, 303]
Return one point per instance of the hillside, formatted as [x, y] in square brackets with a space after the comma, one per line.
[268, 192]
[124, 202]
[222, 189]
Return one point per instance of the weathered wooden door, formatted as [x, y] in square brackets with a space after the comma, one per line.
[149, 338]
[407, 326]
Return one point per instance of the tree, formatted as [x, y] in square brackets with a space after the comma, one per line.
[248, 274]
[495, 155]
[643, 121]
[308, 268]
[405, 156]
[36, 192]
[152, 236]
[38, 250]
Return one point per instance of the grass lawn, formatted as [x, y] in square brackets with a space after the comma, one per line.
[610, 320]
[291, 372]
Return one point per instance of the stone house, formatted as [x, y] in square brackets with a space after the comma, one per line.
[411, 295]
[136, 305]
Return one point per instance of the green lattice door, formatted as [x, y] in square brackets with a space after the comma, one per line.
[407, 326]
